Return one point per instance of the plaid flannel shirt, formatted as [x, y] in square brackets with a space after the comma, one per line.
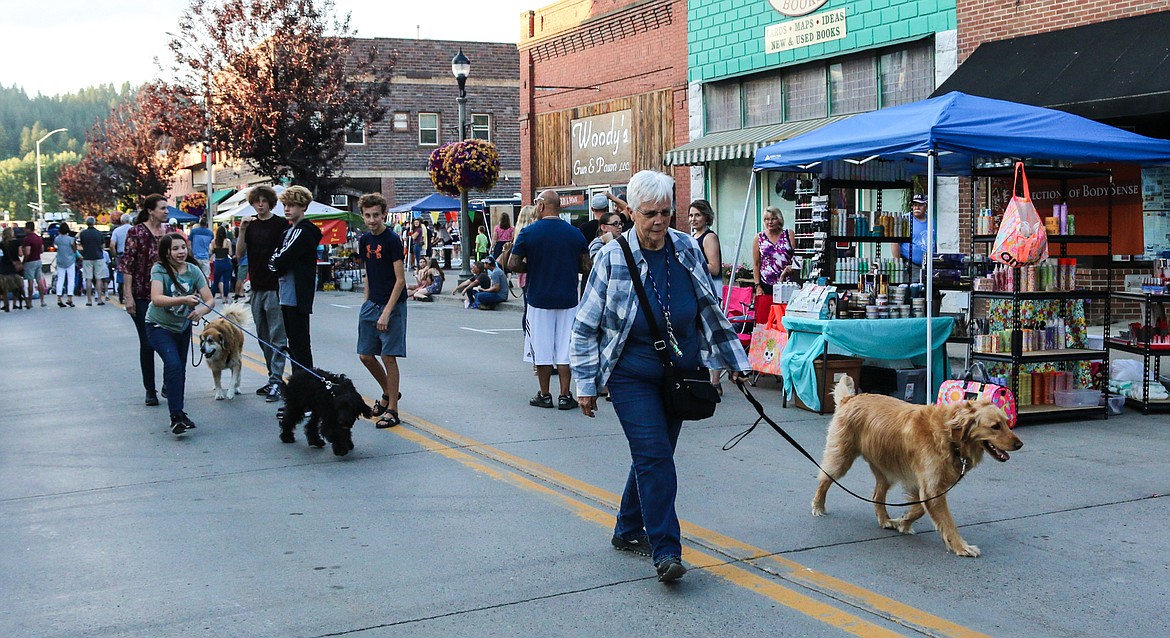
[607, 311]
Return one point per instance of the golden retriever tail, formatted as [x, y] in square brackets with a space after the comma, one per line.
[844, 391]
[238, 313]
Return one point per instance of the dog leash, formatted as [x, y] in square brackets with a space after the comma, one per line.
[791, 441]
[283, 351]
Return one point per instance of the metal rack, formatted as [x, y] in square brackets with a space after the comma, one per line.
[1147, 351]
[1017, 357]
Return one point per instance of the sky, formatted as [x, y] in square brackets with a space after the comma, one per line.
[60, 46]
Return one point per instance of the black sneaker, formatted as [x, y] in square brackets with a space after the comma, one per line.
[670, 570]
[273, 394]
[178, 426]
[151, 398]
[164, 392]
[541, 400]
[263, 390]
[566, 402]
[639, 545]
[187, 421]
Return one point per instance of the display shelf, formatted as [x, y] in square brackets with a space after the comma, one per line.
[960, 339]
[1151, 354]
[868, 239]
[1151, 405]
[1050, 411]
[1056, 239]
[1049, 294]
[1154, 350]
[1044, 356]
[1126, 295]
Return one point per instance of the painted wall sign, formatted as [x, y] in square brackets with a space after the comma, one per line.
[806, 31]
[797, 8]
[603, 148]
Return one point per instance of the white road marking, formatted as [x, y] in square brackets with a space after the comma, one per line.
[337, 305]
[494, 331]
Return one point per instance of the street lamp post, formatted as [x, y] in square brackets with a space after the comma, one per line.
[461, 68]
[40, 186]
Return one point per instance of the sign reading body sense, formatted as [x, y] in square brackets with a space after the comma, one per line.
[603, 149]
[803, 32]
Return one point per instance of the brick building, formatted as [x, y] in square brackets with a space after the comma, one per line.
[602, 96]
[391, 156]
[1107, 61]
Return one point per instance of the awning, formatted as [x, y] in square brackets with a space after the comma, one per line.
[740, 143]
[220, 195]
[1111, 69]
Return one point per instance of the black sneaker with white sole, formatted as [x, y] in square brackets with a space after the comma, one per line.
[639, 544]
[541, 400]
[178, 426]
[670, 570]
[566, 402]
[273, 394]
[263, 390]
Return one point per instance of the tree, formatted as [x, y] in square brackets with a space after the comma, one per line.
[18, 181]
[282, 82]
[90, 187]
[132, 152]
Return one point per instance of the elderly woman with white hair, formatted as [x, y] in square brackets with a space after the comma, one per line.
[612, 344]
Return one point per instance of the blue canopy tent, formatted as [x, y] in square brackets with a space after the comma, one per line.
[951, 135]
[431, 203]
[174, 214]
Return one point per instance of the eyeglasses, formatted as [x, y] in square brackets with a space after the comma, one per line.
[666, 212]
[537, 201]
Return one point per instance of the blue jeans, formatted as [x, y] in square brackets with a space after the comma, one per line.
[172, 347]
[648, 500]
[145, 350]
[490, 297]
[223, 276]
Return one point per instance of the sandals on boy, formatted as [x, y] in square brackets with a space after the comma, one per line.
[389, 420]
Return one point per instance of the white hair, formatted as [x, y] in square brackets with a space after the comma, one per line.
[126, 218]
[649, 186]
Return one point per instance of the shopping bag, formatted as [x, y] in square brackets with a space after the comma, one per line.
[768, 342]
[968, 389]
[1021, 239]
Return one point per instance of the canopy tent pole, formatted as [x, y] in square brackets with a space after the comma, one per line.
[928, 257]
[739, 244]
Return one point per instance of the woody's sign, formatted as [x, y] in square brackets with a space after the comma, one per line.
[603, 149]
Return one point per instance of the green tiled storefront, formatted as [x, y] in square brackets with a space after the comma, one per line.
[726, 37]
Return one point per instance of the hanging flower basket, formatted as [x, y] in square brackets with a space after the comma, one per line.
[194, 204]
[467, 165]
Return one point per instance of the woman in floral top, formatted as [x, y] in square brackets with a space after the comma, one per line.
[139, 257]
[772, 252]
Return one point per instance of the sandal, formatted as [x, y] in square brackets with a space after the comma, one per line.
[381, 405]
[389, 420]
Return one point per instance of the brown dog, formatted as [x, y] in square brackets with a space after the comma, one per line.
[923, 447]
[222, 344]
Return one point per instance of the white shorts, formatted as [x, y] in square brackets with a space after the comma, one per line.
[549, 334]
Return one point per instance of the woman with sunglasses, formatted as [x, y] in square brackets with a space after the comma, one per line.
[612, 344]
[608, 228]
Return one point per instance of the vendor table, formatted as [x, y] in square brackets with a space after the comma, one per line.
[810, 339]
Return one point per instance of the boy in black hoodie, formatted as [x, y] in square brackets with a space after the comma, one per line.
[295, 263]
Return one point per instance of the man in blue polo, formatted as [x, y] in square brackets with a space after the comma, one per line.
[553, 253]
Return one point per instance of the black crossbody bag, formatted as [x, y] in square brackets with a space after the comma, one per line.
[687, 395]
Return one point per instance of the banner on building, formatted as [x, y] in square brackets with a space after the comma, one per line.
[603, 148]
[804, 32]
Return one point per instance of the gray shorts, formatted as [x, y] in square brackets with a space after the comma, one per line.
[94, 269]
[373, 342]
[32, 270]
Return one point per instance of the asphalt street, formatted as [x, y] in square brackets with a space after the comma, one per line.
[483, 516]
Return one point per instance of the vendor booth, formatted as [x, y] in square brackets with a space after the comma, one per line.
[951, 135]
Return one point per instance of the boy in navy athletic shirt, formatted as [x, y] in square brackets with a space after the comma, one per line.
[382, 319]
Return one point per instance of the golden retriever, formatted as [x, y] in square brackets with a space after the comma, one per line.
[222, 344]
[920, 446]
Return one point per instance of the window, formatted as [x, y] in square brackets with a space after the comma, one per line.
[853, 86]
[762, 101]
[428, 129]
[481, 127]
[339, 201]
[804, 94]
[907, 75]
[355, 134]
[401, 121]
[723, 110]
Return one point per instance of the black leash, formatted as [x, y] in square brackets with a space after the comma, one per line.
[779, 430]
[283, 351]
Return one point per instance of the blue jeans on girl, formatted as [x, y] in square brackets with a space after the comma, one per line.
[172, 347]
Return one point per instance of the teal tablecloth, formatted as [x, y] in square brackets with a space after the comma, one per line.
[866, 338]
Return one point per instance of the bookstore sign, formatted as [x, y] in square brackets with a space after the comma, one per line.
[803, 32]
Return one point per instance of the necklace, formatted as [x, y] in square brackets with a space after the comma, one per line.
[665, 306]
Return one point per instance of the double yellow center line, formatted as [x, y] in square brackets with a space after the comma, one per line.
[734, 561]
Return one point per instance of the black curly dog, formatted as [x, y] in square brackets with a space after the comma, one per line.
[333, 410]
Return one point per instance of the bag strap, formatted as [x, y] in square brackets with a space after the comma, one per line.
[977, 366]
[799, 448]
[1020, 175]
[636, 276]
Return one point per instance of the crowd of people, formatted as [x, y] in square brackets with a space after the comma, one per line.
[581, 318]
